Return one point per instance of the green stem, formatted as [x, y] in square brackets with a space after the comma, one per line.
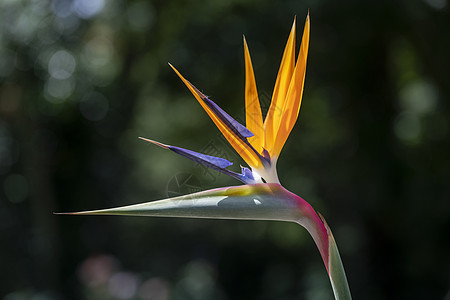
[336, 270]
[322, 236]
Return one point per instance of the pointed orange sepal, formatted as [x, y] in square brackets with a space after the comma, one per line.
[254, 120]
[274, 115]
[294, 94]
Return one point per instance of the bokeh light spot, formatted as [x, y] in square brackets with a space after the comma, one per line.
[198, 281]
[154, 289]
[61, 65]
[98, 51]
[62, 8]
[407, 128]
[97, 270]
[123, 285]
[88, 8]
[24, 26]
[94, 106]
[437, 4]
[56, 91]
[98, 57]
[67, 25]
[419, 97]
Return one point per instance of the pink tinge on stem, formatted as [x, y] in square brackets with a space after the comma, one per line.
[316, 228]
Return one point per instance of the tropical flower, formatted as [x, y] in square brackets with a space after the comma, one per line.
[259, 143]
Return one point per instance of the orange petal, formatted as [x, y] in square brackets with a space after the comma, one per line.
[254, 121]
[243, 149]
[274, 115]
[294, 94]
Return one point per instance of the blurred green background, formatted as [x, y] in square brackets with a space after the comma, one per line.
[80, 80]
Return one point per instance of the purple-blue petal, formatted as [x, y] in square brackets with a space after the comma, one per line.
[216, 163]
[206, 160]
[247, 174]
[227, 119]
[265, 157]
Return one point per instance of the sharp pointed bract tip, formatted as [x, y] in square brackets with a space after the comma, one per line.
[66, 213]
[173, 68]
[245, 44]
[155, 143]
[294, 23]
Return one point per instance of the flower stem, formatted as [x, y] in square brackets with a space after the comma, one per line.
[336, 270]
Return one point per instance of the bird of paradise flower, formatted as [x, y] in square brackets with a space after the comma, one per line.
[259, 143]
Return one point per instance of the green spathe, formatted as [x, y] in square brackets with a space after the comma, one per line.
[266, 201]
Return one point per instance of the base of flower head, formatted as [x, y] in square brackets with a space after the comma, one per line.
[268, 172]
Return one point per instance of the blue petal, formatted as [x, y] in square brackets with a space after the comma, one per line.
[203, 159]
[215, 163]
[247, 174]
[227, 119]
